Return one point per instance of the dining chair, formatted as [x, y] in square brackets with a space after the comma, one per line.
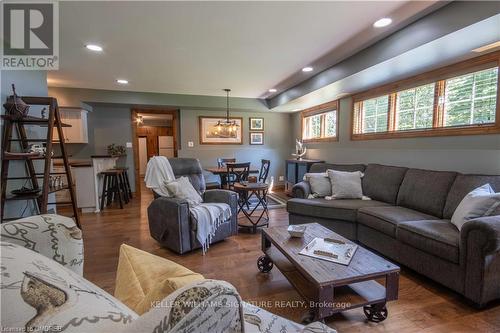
[237, 172]
[221, 163]
[264, 170]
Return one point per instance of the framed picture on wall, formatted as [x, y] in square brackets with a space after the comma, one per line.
[213, 134]
[256, 124]
[256, 138]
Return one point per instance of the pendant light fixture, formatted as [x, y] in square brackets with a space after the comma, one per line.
[227, 125]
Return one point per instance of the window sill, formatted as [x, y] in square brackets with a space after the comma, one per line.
[316, 140]
[451, 131]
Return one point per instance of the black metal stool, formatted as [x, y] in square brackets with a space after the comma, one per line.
[125, 182]
[113, 187]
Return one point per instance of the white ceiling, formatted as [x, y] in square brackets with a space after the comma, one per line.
[202, 47]
[437, 53]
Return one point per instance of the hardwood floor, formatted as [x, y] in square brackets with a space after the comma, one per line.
[423, 305]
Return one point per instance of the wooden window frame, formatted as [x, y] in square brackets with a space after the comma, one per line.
[332, 106]
[439, 76]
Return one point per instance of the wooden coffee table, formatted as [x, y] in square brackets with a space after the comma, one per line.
[330, 287]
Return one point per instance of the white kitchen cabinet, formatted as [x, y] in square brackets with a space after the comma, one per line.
[78, 132]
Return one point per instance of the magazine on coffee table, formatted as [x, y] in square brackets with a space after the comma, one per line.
[330, 249]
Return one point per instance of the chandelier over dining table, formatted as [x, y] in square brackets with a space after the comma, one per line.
[227, 125]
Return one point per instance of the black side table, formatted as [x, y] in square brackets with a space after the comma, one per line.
[246, 191]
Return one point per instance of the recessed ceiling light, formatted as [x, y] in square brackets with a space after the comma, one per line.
[487, 47]
[307, 69]
[383, 22]
[272, 90]
[94, 47]
[121, 81]
[295, 110]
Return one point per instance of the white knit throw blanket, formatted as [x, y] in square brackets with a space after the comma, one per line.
[208, 216]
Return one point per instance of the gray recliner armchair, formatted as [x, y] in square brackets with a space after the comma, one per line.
[169, 220]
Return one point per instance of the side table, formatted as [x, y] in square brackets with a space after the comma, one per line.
[246, 191]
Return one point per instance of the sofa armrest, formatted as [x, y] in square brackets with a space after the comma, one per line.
[301, 190]
[480, 255]
[53, 236]
[225, 196]
[169, 223]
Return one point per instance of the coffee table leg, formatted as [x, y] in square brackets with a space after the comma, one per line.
[325, 300]
[391, 286]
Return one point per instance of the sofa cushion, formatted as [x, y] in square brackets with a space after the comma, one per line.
[322, 167]
[330, 209]
[54, 236]
[382, 182]
[464, 184]
[143, 278]
[42, 293]
[385, 219]
[425, 190]
[436, 237]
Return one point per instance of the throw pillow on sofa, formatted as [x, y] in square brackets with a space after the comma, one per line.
[320, 184]
[346, 185]
[40, 293]
[143, 278]
[482, 201]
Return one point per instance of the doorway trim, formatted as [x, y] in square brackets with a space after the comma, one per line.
[135, 145]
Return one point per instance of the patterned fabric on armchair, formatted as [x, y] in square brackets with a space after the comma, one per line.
[54, 236]
[169, 219]
[39, 294]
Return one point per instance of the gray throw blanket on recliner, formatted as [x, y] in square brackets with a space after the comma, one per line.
[208, 216]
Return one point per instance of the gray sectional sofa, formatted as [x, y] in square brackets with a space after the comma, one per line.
[408, 220]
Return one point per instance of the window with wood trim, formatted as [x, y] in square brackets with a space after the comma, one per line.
[456, 100]
[320, 123]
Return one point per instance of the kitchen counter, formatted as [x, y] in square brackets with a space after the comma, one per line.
[106, 156]
[73, 163]
[88, 181]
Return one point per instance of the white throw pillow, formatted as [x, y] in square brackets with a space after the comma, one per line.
[346, 185]
[482, 201]
[320, 184]
[183, 189]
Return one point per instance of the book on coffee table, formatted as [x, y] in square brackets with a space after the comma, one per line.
[330, 249]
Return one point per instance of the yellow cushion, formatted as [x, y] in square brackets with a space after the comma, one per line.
[143, 278]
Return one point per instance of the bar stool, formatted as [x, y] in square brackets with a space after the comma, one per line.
[112, 187]
[125, 181]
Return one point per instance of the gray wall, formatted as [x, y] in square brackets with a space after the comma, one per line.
[107, 125]
[28, 83]
[109, 122]
[276, 141]
[468, 154]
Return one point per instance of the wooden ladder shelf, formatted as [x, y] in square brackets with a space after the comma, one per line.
[41, 198]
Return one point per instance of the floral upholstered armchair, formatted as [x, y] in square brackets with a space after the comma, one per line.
[42, 289]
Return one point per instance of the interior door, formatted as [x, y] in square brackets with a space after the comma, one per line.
[143, 155]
